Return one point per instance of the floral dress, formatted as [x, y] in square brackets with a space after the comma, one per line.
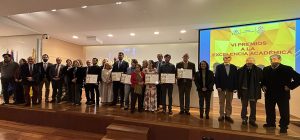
[150, 99]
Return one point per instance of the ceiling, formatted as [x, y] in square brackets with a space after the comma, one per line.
[142, 17]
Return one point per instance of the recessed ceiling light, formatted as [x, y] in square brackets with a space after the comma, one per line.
[75, 37]
[132, 34]
[156, 33]
[183, 31]
[110, 35]
[53, 10]
[119, 2]
[84, 6]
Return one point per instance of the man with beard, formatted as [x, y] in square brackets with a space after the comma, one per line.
[278, 80]
[45, 78]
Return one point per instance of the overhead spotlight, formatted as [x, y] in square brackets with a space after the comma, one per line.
[53, 10]
[132, 34]
[75, 37]
[84, 6]
[183, 31]
[110, 35]
[119, 2]
[156, 33]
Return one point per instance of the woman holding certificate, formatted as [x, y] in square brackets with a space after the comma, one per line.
[150, 99]
[106, 96]
[204, 80]
[137, 83]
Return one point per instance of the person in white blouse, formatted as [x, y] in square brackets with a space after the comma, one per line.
[106, 96]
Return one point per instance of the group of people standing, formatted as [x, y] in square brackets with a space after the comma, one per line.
[248, 82]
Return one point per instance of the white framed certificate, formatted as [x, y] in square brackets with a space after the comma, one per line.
[185, 73]
[167, 78]
[91, 79]
[116, 76]
[126, 79]
[151, 78]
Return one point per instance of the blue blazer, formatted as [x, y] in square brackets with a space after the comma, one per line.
[224, 81]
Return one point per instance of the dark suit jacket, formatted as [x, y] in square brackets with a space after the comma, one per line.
[190, 66]
[80, 74]
[123, 67]
[257, 72]
[275, 80]
[43, 72]
[224, 81]
[24, 73]
[61, 72]
[209, 80]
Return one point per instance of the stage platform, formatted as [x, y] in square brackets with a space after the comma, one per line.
[96, 119]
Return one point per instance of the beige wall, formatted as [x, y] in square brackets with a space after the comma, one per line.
[58, 48]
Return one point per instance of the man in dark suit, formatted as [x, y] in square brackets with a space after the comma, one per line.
[249, 89]
[118, 87]
[167, 88]
[57, 77]
[30, 74]
[94, 87]
[45, 78]
[226, 83]
[158, 86]
[185, 85]
[87, 88]
[278, 80]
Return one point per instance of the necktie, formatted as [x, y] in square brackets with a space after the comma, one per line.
[45, 66]
[57, 70]
[30, 69]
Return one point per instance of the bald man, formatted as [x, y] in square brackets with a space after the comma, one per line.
[57, 77]
[30, 74]
[249, 89]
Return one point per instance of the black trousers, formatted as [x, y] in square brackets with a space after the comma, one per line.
[90, 92]
[159, 95]
[245, 103]
[135, 97]
[184, 96]
[57, 90]
[167, 89]
[6, 88]
[283, 106]
[118, 88]
[19, 93]
[204, 97]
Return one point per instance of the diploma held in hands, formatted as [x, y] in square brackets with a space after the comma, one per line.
[91, 79]
[116, 76]
[167, 78]
[125, 78]
[185, 73]
[151, 78]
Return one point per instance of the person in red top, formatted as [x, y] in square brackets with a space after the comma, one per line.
[137, 83]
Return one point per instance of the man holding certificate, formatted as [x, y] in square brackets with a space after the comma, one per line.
[167, 78]
[119, 66]
[92, 80]
[185, 75]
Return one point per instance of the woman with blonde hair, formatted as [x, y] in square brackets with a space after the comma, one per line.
[106, 96]
[150, 99]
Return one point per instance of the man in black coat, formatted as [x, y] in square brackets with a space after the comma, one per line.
[278, 80]
[94, 87]
[57, 77]
[157, 64]
[249, 89]
[30, 74]
[118, 87]
[185, 85]
[226, 83]
[44, 77]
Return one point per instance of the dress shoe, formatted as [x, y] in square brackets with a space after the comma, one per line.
[244, 122]
[269, 125]
[27, 105]
[187, 113]
[170, 112]
[126, 108]
[201, 116]
[181, 112]
[221, 118]
[283, 130]
[164, 111]
[229, 119]
[52, 101]
[253, 124]
[207, 117]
